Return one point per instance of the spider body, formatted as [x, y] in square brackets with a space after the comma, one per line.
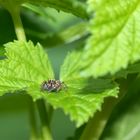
[52, 85]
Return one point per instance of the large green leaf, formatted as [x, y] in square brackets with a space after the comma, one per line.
[114, 42]
[27, 66]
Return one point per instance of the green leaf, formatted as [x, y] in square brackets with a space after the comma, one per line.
[125, 117]
[114, 42]
[83, 96]
[133, 68]
[80, 99]
[2, 51]
[39, 10]
[12, 5]
[70, 69]
[25, 64]
[71, 6]
[69, 35]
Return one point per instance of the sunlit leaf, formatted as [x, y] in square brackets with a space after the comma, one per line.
[80, 99]
[25, 64]
[114, 42]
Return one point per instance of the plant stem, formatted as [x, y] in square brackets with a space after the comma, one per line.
[46, 133]
[50, 112]
[33, 121]
[15, 13]
[96, 125]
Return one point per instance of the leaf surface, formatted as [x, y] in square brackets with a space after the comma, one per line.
[25, 64]
[114, 42]
[79, 100]
[71, 6]
[83, 96]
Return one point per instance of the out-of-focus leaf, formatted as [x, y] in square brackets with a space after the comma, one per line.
[2, 51]
[10, 4]
[39, 10]
[69, 35]
[71, 6]
[114, 42]
[133, 68]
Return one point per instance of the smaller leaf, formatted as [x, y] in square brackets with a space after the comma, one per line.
[84, 96]
[133, 68]
[25, 65]
[71, 6]
[39, 10]
[69, 35]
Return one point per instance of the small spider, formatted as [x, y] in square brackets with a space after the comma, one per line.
[52, 85]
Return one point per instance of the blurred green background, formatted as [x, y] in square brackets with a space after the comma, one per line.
[14, 108]
[15, 124]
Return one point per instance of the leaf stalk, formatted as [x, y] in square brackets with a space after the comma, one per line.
[45, 121]
[19, 30]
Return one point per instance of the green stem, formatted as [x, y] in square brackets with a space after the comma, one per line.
[15, 13]
[96, 125]
[33, 121]
[50, 112]
[46, 133]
